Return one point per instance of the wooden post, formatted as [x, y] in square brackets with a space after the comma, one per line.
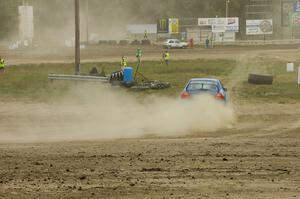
[299, 75]
[87, 21]
[77, 38]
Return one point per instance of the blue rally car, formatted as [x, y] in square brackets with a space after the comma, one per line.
[198, 86]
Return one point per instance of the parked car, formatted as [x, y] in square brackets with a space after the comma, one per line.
[198, 86]
[175, 43]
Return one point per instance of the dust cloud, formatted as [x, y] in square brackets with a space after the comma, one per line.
[90, 112]
[101, 20]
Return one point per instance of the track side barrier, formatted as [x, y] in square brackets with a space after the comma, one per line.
[53, 77]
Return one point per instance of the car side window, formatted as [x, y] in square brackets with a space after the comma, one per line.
[221, 85]
[171, 41]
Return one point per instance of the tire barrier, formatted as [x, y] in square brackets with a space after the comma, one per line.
[135, 42]
[146, 42]
[123, 42]
[160, 85]
[260, 79]
[116, 78]
[112, 42]
[103, 42]
[155, 85]
[94, 71]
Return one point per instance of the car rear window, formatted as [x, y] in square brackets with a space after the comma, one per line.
[202, 85]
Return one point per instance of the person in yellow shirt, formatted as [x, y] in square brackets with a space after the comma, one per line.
[167, 58]
[123, 62]
[2, 65]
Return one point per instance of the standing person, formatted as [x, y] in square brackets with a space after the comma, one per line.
[138, 55]
[167, 57]
[123, 62]
[211, 41]
[2, 65]
[206, 43]
[145, 34]
[191, 43]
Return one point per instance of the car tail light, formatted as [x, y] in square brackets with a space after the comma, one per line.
[220, 96]
[185, 95]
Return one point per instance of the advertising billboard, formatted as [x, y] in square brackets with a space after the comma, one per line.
[163, 26]
[224, 37]
[295, 19]
[221, 24]
[173, 25]
[259, 27]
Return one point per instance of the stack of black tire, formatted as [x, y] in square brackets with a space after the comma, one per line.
[116, 78]
[135, 42]
[146, 42]
[123, 42]
[260, 79]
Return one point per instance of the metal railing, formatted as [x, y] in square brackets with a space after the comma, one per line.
[77, 78]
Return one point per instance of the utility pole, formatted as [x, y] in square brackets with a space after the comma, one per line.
[77, 38]
[87, 21]
[227, 3]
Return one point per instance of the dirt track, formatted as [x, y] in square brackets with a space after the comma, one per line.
[114, 53]
[161, 168]
[258, 157]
